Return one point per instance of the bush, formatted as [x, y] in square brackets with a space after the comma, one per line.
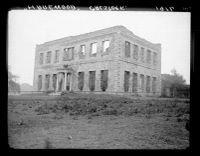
[42, 110]
[110, 112]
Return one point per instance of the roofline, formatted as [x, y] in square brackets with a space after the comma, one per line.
[113, 29]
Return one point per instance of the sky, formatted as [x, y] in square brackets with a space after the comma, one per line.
[26, 28]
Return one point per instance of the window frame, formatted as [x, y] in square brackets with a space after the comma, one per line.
[103, 48]
[135, 51]
[66, 55]
[57, 53]
[155, 58]
[148, 56]
[142, 54]
[91, 49]
[41, 60]
[127, 53]
[48, 57]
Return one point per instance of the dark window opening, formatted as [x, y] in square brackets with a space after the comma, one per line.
[47, 80]
[80, 80]
[148, 84]
[41, 58]
[68, 54]
[39, 82]
[134, 89]
[127, 49]
[126, 81]
[92, 80]
[104, 80]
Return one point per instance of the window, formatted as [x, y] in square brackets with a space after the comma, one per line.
[148, 84]
[135, 51]
[68, 81]
[82, 51]
[39, 82]
[154, 85]
[68, 54]
[54, 81]
[148, 56]
[80, 80]
[126, 81]
[48, 57]
[106, 45]
[41, 58]
[93, 48]
[134, 87]
[47, 79]
[142, 82]
[92, 80]
[127, 49]
[142, 54]
[56, 56]
[154, 58]
[104, 80]
[65, 56]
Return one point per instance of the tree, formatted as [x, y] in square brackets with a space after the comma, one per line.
[13, 86]
[173, 81]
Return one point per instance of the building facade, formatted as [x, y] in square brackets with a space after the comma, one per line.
[111, 60]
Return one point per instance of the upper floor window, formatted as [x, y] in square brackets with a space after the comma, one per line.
[148, 56]
[48, 57]
[142, 54]
[41, 58]
[127, 49]
[135, 51]
[93, 48]
[154, 58]
[68, 54]
[56, 56]
[106, 45]
[83, 50]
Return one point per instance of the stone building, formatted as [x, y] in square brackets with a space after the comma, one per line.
[111, 60]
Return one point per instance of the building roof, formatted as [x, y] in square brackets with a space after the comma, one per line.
[118, 28]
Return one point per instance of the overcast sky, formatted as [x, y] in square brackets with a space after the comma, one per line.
[27, 28]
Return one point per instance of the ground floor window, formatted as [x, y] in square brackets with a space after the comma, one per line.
[142, 82]
[134, 87]
[154, 85]
[68, 83]
[92, 80]
[80, 80]
[47, 80]
[104, 80]
[39, 82]
[54, 81]
[60, 81]
[126, 81]
[148, 84]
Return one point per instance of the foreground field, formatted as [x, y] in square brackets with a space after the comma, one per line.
[97, 122]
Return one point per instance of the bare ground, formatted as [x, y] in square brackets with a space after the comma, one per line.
[104, 122]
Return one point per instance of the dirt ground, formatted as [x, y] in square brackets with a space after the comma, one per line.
[140, 123]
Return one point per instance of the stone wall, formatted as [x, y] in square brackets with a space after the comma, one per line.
[114, 61]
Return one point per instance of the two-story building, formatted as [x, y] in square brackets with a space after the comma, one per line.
[111, 60]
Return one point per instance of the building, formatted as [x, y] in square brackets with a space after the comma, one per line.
[111, 60]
